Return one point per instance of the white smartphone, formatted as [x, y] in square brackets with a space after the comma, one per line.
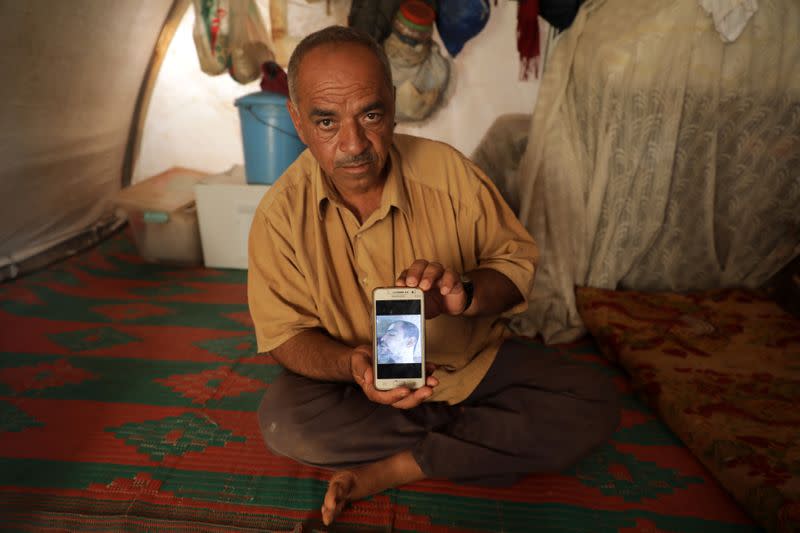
[398, 337]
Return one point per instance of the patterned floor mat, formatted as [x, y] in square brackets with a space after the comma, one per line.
[127, 403]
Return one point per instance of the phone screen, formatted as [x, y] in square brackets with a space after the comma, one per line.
[399, 339]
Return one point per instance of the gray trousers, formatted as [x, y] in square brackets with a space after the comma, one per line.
[533, 412]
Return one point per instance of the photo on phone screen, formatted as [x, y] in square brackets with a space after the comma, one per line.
[399, 339]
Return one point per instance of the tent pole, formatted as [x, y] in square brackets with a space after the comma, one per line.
[168, 30]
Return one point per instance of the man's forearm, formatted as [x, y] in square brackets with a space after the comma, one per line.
[494, 293]
[315, 355]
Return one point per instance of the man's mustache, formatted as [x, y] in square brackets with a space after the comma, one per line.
[356, 161]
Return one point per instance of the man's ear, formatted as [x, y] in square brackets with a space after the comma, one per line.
[294, 114]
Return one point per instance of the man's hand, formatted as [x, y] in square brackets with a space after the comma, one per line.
[444, 292]
[400, 397]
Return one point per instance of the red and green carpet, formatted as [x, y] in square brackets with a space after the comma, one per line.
[128, 394]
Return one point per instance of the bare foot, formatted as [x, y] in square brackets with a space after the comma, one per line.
[340, 491]
[349, 485]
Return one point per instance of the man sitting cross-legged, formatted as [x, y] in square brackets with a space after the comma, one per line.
[364, 208]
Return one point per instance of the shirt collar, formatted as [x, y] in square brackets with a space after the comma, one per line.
[394, 191]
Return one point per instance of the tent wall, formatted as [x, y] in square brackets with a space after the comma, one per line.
[78, 77]
[72, 73]
[192, 121]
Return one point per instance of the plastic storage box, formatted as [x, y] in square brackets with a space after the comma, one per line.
[225, 208]
[163, 218]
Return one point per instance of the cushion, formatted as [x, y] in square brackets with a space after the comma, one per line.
[722, 368]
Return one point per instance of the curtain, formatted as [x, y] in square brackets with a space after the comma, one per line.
[661, 157]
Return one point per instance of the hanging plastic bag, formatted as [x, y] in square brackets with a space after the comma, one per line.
[458, 21]
[419, 94]
[231, 35]
[249, 47]
[419, 71]
[210, 32]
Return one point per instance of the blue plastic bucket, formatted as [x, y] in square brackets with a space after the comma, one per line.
[270, 141]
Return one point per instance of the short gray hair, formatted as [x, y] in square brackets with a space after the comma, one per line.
[334, 35]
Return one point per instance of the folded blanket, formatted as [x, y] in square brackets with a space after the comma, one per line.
[722, 368]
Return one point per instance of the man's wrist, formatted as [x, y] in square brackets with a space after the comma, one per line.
[358, 362]
[469, 291]
[349, 363]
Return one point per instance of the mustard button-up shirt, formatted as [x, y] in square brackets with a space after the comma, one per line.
[312, 265]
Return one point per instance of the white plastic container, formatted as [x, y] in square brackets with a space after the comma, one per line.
[163, 218]
[226, 204]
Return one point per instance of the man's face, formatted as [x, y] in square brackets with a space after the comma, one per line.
[393, 341]
[344, 112]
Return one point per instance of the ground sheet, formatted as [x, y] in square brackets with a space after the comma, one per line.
[128, 394]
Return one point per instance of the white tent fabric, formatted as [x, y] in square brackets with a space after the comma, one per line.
[72, 72]
[661, 157]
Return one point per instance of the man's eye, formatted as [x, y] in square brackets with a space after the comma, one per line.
[372, 117]
[325, 123]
